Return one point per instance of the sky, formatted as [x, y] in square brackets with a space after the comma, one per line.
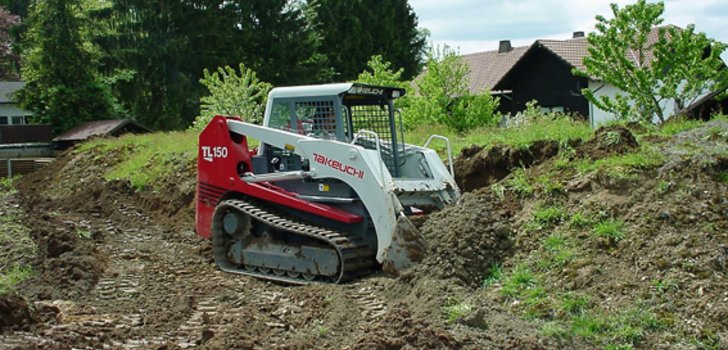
[478, 25]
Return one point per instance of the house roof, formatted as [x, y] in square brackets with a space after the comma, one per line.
[572, 51]
[7, 88]
[98, 128]
[488, 68]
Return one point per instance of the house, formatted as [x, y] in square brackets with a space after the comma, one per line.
[542, 71]
[98, 128]
[24, 147]
[10, 112]
[15, 126]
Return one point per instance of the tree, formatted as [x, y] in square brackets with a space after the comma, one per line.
[9, 59]
[279, 43]
[352, 31]
[441, 95]
[232, 94]
[380, 72]
[162, 49]
[62, 86]
[680, 65]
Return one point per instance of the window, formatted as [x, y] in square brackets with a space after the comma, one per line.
[3, 120]
[18, 120]
[558, 109]
[280, 116]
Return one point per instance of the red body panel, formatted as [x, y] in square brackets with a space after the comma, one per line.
[219, 157]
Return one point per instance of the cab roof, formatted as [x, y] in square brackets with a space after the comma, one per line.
[336, 90]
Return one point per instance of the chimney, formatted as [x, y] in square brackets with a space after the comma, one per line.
[504, 46]
[579, 34]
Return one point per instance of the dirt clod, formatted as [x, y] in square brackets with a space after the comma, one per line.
[15, 312]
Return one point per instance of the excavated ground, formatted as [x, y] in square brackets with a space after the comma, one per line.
[120, 270]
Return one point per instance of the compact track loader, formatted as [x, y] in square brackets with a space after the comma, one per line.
[326, 194]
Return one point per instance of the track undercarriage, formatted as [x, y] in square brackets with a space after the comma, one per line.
[251, 240]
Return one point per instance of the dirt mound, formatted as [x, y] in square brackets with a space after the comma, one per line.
[15, 312]
[400, 330]
[466, 239]
[607, 141]
[478, 167]
[67, 256]
[76, 182]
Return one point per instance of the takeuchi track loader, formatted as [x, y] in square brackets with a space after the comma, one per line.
[326, 194]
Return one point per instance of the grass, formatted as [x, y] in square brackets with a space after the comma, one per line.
[723, 177]
[673, 127]
[558, 251]
[494, 275]
[456, 310]
[15, 275]
[519, 183]
[6, 185]
[574, 304]
[579, 220]
[518, 283]
[547, 216]
[498, 190]
[522, 136]
[146, 159]
[662, 187]
[320, 329]
[645, 158]
[613, 230]
[618, 330]
[83, 233]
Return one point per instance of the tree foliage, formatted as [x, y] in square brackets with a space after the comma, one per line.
[677, 65]
[232, 94]
[380, 72]
[150, 56]
[9, 59]
[441, 95]
[62, 85]
[354, 30]
[162, 49]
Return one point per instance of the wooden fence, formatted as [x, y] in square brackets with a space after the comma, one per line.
[25, 133]
[12, 167]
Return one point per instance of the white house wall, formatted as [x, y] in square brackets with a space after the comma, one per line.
[12, 110]
[599, 117]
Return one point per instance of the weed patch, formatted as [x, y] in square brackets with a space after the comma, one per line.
[558, 251]
[457, 310]
[612, 230]
[645, 158]
[494, 275]
[519, 183]
[13, 276]
[547, 216]
[561, 130]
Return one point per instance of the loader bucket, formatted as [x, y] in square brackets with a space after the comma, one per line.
[408, 247]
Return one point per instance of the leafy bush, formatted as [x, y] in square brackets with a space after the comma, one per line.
[232, 93]
[440, 95]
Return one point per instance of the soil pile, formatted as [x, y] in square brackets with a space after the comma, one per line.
[399, 330]
[607, 141]
[468, 238]
[76, 181]
[478, 167]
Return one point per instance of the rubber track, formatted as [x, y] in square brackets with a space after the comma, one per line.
[356, 259]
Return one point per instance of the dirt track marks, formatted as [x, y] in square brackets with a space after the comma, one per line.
[365, 296]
